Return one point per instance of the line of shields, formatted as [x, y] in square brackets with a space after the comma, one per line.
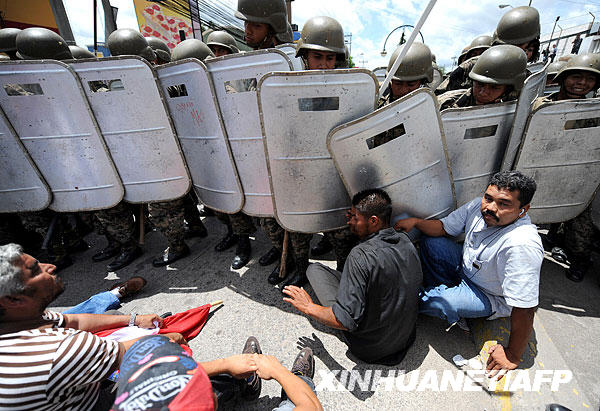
[251, 133]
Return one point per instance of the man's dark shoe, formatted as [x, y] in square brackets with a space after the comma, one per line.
[298, 279]
[227, 242]
[242, 252]
[323, 247]
[169, 257]
[304, 364]
[274, 278]
[195, 231]
[251, 390]
[270, 257]
[111, 250]
[206, 212]
[130, 287]
[125, 258]
[576, 272]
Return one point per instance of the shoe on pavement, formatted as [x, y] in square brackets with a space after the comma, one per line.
[242, 252]
[304, 364]
[576, 272]
[169, 257]
[126, 257]
[251, 391]
[111, 250]
[227, 242]
[130, 287]
[270, 257]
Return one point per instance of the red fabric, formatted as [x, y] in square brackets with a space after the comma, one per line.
[197, 394]
[188, 323]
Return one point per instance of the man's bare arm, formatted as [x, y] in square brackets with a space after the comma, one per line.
[432, 228]
[98, 322]
[303, 303]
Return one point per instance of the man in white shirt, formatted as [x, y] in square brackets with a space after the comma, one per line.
[495, 273]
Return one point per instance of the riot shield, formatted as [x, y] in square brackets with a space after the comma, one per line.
[290, 51]
[532, 89]
[477, 138]
[45, 103]
[129, 106]
[560, 151]
[235, 79]
[380, 73]
[297, 112]
[190, 97]
[409, 161]
[22, 187]
[437, 78]
[596, 211]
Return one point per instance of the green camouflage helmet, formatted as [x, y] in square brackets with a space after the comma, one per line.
[160, 48]
[481, 42]
[503, 64]
[463, 55]
[271, 12]
[223, 39]
[416, 65]
[583, 62]
[8, 39]
[36, 43]
[191, 48]
[322, 34]
[554, 68]
[129, 42]
[518, 26]
[81, 53]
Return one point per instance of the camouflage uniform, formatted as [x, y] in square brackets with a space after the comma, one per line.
[241, 224]
[169, 218]
[464, 98]
[118, 225]
[458, 78]
[343, 241]
[299, 243]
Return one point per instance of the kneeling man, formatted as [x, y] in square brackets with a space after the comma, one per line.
[496, 273]
[375, 299]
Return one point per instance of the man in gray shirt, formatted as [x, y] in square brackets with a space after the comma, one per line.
[375, 299]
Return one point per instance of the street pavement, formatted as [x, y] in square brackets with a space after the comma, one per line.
[567, 328]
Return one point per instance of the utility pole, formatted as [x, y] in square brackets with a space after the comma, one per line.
[552, 35]
[288, 3]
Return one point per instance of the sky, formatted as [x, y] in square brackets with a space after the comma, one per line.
[451, 25]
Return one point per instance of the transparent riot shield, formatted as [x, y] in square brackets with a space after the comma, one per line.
[477, 138]
[399, 148]
[22, 187]
[45, 103]
[190, 97]
[130, 109]
[297, 112]
[290, 51]
[560, 151]
[532, 89]
[235, 78]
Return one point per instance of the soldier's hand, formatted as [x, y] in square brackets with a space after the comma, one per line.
[406, 224]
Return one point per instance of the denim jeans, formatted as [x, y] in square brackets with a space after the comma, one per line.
[446, 292]
[96, 304]
[286, 404]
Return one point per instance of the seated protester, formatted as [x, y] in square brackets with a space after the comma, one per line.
[174, 381]
[497, 77]
[374, 300]
[496, 272]
[51, 360]
[519, 27]
[579, 77]
[415, 71]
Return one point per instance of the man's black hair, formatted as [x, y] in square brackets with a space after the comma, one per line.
[515, 180]
[374, 202]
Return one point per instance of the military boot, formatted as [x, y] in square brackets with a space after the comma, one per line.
[242, 252]
[298, 276]
[111, 250]
[128, 254]
[228, 241]
[274, 278]
[323, 247]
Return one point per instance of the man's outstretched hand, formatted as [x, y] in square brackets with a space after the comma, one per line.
[406, 224]
[500, 361]
[299, 298]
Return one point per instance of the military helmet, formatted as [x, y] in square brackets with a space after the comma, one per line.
[129, 42]
[160, 48]
[416, 64]
[271, 12]
[287, 36]
[503, 64]
[322, 34]
[36, 43]
[81, 53]
[481, 42]
[191, 48]
[433, 58]
[223, 39]
[8, 39]
[554, 68]
[518, 26]
[583, 62]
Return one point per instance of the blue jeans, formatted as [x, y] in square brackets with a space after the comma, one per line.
[447, 292]
[286, 404]
[96, 304]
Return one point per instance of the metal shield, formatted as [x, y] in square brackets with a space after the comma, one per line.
[45, 103]
[533, 88]
[290, 51]
[560, 151]
[596, 211]
[297, 112]
[22, 187]
[412, 167]
[190, 97]
[128, 104]
[235, 78]
[477, 138]
[380, 73]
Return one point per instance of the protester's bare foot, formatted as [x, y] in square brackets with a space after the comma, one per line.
[130, 287]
